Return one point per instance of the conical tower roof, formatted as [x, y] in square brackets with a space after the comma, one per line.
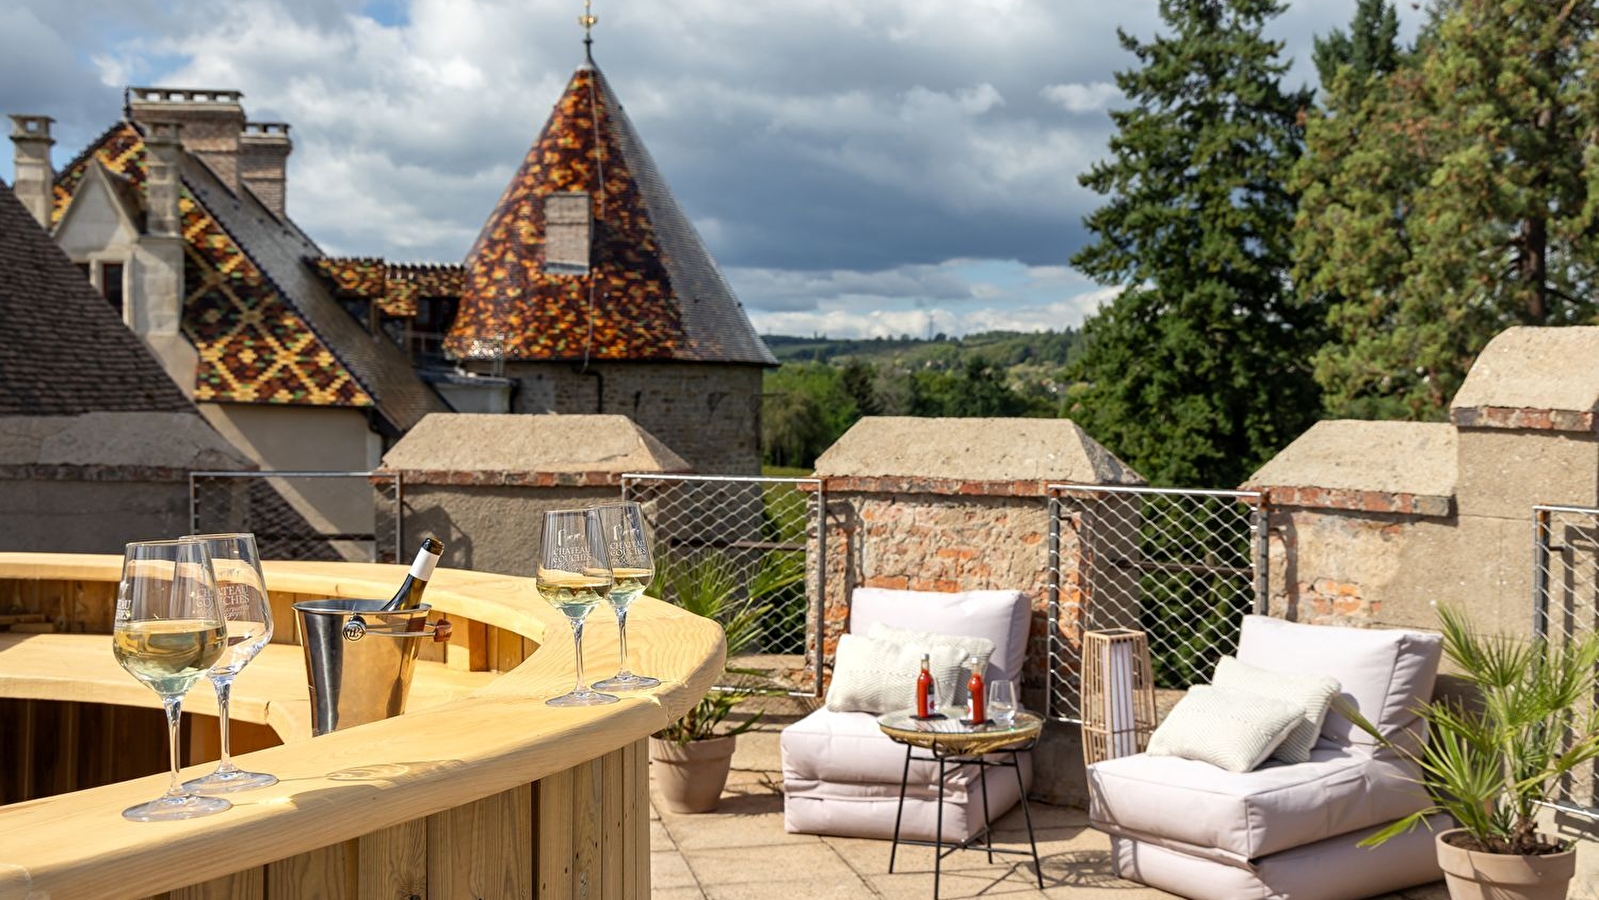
[651, 290]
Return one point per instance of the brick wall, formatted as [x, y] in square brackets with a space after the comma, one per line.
[710, 414]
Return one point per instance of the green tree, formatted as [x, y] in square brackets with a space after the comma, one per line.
[857, 379]
[1452, 200]
[1369, 49]
[1198, 371]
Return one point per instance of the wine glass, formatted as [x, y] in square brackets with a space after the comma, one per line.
[627, 543]
[1002, 703]
[169, 629]
[244, 603]
[574, 575]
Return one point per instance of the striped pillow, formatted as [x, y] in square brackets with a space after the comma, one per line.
[1230, 729]
[1312, 694]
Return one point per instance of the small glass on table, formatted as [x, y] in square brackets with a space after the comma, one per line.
[574, 575]
[242, 590]
[627, 543]
[168, 631]
[1002, 702]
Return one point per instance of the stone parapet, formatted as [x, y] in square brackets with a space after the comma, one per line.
[1361, 501]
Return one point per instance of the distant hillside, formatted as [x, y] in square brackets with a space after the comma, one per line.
[1000, 348]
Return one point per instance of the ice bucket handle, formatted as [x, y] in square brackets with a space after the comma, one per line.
[356, 629]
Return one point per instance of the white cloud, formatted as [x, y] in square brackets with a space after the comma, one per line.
[1082, 98]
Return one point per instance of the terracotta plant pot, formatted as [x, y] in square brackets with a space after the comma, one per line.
[691, 776]
[1472, 875]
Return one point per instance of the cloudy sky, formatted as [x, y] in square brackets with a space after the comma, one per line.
[858, 168]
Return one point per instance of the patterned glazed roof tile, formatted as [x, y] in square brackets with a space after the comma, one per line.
[652, 290]
[394, 286]
[266, 331]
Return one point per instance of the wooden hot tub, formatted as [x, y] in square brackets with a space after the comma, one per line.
[478, 791]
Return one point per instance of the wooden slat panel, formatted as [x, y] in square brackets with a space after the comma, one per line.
[468, 649]
[586, 831]
[638, 818]
[91, 606]
[508, 649]
[392, 864]
[554, 829]
[613, 831]
[247, 885]
[322, 874]
[480, 850]
[284, 629]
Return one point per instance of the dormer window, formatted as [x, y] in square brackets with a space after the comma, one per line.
[568, 233]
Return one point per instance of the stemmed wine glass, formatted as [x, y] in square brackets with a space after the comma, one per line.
[244, 603]
[574, 575]
[169, 629]
[627, 544]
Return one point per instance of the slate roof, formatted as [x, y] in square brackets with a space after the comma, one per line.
[63, 350]
[266, 328]
[657, 293]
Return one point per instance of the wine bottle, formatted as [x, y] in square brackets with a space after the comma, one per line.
[926, 705]
[977, 702]
[409, 596]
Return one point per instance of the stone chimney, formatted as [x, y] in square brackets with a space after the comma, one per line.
[212, 121]
[162, 183]
[263, 162]
[34, 182]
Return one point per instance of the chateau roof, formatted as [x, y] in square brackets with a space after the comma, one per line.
[651, 291]
[267, 330]
[63, 349]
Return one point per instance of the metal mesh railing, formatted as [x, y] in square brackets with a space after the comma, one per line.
[737, 537]
[1566, 606]
[1182, 566]
[331, 516]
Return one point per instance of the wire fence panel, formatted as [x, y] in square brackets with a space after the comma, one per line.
[1182, 566]
[328, 516]
[1566, 606]
[744, 534]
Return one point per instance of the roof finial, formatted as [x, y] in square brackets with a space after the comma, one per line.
[588, 20]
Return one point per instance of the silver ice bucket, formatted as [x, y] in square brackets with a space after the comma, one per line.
[358, 661]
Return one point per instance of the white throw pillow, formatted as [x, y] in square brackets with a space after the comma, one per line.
[1231, 729]
[951, 680]
[1312, 694]
[876, 676]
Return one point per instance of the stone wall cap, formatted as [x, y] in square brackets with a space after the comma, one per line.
[973, 450]
[167, 440]
[1528, 368]
[477, 442]
[1416, 458]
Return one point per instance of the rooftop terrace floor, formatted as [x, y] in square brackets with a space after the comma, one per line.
[741, 851]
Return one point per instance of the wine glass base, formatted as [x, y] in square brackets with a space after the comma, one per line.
[228, 782]
[166, 809]
[626, 681]
[581, 698]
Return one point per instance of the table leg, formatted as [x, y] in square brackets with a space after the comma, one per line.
[938, 832]
[988, 824]
[1027, 813]
[904, 776]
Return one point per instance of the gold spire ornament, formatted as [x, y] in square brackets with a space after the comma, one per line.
[588, 20]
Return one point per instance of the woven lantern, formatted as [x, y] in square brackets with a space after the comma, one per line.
[1118, 698]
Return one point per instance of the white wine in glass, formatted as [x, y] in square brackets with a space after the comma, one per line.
[627, 544]
[574, 576]
[168, 631]
[242, 589]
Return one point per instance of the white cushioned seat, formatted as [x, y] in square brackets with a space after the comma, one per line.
[841, 774]
[1286, 830]
[1241, 816]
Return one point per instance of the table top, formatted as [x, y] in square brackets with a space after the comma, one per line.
[950, 735]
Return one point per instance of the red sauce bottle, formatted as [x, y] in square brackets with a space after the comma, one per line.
[924, 690]
[977, 703]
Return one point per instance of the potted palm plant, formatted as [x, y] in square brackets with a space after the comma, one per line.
[1492, 761]
[692, 756]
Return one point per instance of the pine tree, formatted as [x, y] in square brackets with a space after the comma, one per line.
[1370, 48]
[1198, 371]
[1451, 200]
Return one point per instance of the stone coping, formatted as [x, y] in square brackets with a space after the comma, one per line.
[500, 478]
[44, 472]
[1532, 378]
[1361, 501]
[896, 484]
[1523, 419]
[501, 446]
[1407, 468]
[973, 451]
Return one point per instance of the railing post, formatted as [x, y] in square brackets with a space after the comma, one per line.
[1051, 676]
[821, 588]
[1260, 523]
[1540, 573]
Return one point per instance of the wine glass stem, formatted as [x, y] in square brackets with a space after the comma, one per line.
[224, 686]
[621, 631]
[174, 709]
[577, 642]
